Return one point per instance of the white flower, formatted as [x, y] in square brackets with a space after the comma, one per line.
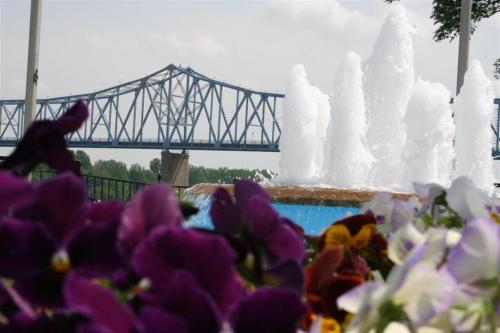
[468, 200]
[391, 214]
[423, 292]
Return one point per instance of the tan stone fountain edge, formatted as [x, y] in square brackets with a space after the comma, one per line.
[307, 195]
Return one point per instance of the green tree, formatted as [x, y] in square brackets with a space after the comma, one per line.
[139, 174]
[85, 162]
[111, 169]
[446, 15]
[154, 165]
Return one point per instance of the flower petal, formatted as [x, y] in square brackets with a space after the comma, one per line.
[263, 218]
[13, 192]
[284, 243]
[322, 269]
[244, 190]
[59, 204]
[98, 304]
[43, 142]
[92, 246]
[268, 311]
[224, 213]
[25, 249]
[477, 256]
[402, 242]
[209, 258]
[285, 274]
[156, 320]
[153, 206]
[467, 199]
[425, 293]
[185, 297]
[72, 119]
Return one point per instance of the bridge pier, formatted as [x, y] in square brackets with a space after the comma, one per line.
[174, 168]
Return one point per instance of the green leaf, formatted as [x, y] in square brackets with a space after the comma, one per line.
[389, 312]
[489, 283]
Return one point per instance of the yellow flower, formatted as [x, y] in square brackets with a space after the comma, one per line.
[326, 325]
[496, 217]
[339, 234]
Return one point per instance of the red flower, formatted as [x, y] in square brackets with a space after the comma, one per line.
[329, 276]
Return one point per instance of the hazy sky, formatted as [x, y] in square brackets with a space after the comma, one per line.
[90, 45]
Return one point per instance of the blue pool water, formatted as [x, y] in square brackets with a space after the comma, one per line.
[312, 218]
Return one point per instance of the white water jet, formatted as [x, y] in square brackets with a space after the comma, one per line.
[322, 121]
[473, 117]
[429, 126]
[347, 160]
[302, 135]
[389, 79]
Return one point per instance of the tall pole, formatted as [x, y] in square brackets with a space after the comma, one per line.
[463, 47]
[32, 72]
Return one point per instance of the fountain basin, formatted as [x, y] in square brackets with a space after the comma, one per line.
[314, 208]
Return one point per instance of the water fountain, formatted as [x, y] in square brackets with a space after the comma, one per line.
[408, 132]
[307, 112]
[473, 116]
[428, 152]
[348, 162]
[384, 131]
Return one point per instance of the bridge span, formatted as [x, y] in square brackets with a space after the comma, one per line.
[173, 108]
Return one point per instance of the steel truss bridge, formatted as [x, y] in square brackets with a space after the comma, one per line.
[173, 108]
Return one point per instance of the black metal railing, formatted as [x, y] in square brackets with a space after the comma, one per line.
[106, 188]
[100, 188]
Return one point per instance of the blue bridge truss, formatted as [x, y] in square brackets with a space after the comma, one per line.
[173, 108]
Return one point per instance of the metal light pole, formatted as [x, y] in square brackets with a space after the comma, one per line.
[463, 47]
[32, 72]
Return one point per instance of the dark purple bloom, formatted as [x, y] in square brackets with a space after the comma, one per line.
[156, 320]
[44, 142]
[269, 229]
[59, 204]
[182, 305]
[57, 231]
[59, 322]
[155, 205]
[207, 258]
[252, 213]
[268, 311]
[13, 192]
[287, 273]
[224, 213]
[98, 304]
[25, 249]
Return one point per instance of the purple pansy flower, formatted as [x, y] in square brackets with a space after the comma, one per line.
[182, 305]
[98, 304]
[44, 142]
[476, 258]
[268, 311]
[13, 192]
[208, 259]
[252, 213]
[153, 206]
[58, 322]
[57, 231]
[270, 246]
